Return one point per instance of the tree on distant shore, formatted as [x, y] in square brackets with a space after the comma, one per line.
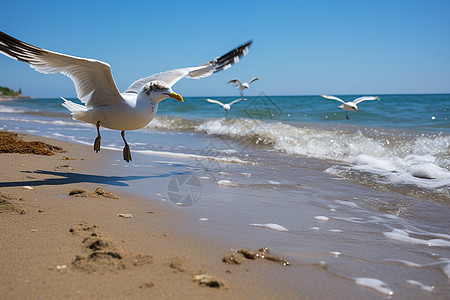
[8, 92]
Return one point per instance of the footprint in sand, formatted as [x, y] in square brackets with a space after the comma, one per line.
[102, 256]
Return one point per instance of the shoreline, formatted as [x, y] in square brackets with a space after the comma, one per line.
[54, 245]
[10, 98]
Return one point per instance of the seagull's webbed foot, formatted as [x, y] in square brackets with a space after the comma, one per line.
[346, 116]
[126, 149]
[97, 139]
[126, 153]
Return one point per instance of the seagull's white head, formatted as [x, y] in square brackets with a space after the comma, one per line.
[245, 85]
[159, 90]
[226, 107]
[352, 105]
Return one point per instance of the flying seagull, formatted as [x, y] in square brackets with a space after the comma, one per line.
[104, 105]
[351, 105]
[242, 86]
[226, 107]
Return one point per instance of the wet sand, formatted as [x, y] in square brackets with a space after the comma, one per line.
[97, 244]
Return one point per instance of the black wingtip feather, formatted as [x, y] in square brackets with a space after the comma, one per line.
[228, 59]
[16, 48]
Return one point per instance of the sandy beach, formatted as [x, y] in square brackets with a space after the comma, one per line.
[86, 246]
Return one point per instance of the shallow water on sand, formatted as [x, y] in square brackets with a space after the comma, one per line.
[368, 206]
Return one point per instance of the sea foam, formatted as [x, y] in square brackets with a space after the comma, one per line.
[421, 160]
[271, 226]
[403, 236]
[375, 284]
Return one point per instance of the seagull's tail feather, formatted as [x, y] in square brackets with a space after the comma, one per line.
[77, 111]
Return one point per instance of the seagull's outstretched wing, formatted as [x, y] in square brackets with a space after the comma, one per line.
[217, 64]
[361, 99]
[93, 80]
[235, 81]
[254, 79]
[215, 101]
[236, 101]
[332, 98]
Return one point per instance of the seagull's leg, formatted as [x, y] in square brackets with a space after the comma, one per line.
[98, 138]
[126, 149]
[346, 115]
[241, 92]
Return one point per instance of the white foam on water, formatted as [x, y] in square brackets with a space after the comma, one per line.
[7, 109]
[273, 182]
[407, 263]
[428, 288]
[225, 182]
[56, 122]
[375, 284]
[230, 160]
[272, 226]
[62, 135]
[427, 233]
[203, 219]
[228, 151]
[347, 203]
[335, 230]
[335, 253]
[314, 228]
[421, 160]
[321, 218]
[403, 236]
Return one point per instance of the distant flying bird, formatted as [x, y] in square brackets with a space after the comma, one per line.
[242, 86]
[351, 105]
[226, 107]
[104, 105]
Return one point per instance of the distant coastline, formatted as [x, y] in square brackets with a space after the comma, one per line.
[6, 94]
[9, 97]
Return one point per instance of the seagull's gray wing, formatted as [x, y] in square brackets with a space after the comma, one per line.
[366, 98]
[236, 101]
[93, 80]
[215, 101]
[235, 81]
[217, 64]
[254, 79]
[332, 98]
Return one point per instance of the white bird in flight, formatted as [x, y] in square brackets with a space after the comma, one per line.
[242, 86]
[104, 105]
[351, 105]
[226, 107]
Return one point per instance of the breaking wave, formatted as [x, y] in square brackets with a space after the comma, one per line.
[404, 157]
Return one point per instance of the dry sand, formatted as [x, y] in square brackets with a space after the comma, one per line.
[63, 234]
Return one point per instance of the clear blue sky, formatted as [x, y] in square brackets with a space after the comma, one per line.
[300, 47]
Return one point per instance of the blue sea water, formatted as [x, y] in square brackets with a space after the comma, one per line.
[416, 112]
[367, 197]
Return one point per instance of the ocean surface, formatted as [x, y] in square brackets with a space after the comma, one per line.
[367, 199]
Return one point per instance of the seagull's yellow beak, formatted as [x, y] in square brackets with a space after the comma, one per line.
[176, 96]
[356, 109]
